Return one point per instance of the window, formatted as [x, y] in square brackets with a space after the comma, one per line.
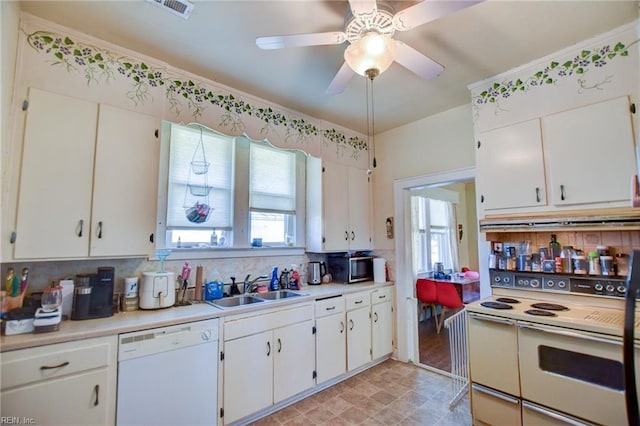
[434, 237]
[272, 195]
[218, 191]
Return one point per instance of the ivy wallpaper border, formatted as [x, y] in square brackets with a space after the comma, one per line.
[553, 73]
[101, 65]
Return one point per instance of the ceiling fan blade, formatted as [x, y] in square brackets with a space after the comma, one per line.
[363, 7]
[300, 40]
[416, 62]
[340, 81]
[427, 11]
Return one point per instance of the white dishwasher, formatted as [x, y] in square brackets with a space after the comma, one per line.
[169, 375]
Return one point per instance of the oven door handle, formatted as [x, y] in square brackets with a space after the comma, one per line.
[495, 394]
[553, 415]
[576, 334]
[481, 317]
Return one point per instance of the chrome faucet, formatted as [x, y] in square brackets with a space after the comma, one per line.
[250, 286]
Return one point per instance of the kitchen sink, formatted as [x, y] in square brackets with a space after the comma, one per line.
[279, 294]
[231, 302]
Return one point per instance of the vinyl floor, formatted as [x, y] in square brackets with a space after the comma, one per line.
[391, 393]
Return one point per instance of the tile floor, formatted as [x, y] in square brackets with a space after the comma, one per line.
[391, 393]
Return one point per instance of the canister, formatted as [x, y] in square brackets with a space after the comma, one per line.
[622, 264]
[606, 263]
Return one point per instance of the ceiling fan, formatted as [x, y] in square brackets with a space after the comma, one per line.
[371, 25]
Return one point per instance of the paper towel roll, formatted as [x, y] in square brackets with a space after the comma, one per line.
[379, 272]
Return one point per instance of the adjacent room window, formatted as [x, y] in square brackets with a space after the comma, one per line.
[434, 234]
[218, 191]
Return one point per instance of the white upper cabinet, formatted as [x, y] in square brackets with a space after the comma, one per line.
[338, 208]
[87, 180]
[125, 183]
[590, 153]
[54, 200]
[581, 158]
[510, 168]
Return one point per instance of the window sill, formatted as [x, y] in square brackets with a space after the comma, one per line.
[230, 253]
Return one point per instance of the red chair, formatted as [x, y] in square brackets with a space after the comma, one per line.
[447, 296]
[427, 295]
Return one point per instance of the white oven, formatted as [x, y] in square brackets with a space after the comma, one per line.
[576, 372]
[531, 364]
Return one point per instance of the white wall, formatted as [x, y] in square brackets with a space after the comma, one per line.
[434, 144]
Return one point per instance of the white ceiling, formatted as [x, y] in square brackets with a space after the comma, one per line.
[218, 42]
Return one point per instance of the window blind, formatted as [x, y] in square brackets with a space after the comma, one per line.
[272, 179]
[215, 187]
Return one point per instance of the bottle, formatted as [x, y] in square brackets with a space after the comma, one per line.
[214, 239]
[554, 247]
[294, 281]
[594, 263]
[284, 279]
[275, 283]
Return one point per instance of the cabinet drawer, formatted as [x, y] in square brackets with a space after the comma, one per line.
[358, 300]
[26, 366]
[327, 307]
[259, 322]
[382, 295]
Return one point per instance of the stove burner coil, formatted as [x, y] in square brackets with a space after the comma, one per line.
[496, 305]
[549, 306]
[540, 313]
[507, 300]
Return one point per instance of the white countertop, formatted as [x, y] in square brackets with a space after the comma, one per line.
[124, 322]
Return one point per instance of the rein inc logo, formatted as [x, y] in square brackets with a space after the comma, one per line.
[17, 420]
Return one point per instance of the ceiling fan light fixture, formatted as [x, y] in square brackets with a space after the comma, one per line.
[372, 51]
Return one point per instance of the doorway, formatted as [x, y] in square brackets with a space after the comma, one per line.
[444, 239]
[409, 324]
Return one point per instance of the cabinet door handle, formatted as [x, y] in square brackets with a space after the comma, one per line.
[151, 238]
[537, 195]
[80, 225]
[482, 198]
[268, 348]
[279, 345]
[53, 367]
[562, 195]
[331, 308]
[96, 389]
[341, 327]
[100, 229]
[358, 302]
[346, 236]
[350, 324]
[353, 235]
[375, 315]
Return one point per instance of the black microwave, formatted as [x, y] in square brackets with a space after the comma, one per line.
[351, 270]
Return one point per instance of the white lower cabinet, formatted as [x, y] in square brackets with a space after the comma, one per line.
[66, 383]
[331, 342]
[358, 329]
[381, 322]
[268, 357]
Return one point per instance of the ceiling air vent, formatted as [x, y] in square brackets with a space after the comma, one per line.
[181, 8]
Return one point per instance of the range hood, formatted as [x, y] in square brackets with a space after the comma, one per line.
[623, 219]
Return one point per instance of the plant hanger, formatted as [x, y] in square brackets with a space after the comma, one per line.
[198, 185]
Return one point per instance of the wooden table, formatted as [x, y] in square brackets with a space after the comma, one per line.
[468, 289]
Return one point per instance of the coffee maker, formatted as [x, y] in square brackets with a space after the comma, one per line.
[93, 295]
